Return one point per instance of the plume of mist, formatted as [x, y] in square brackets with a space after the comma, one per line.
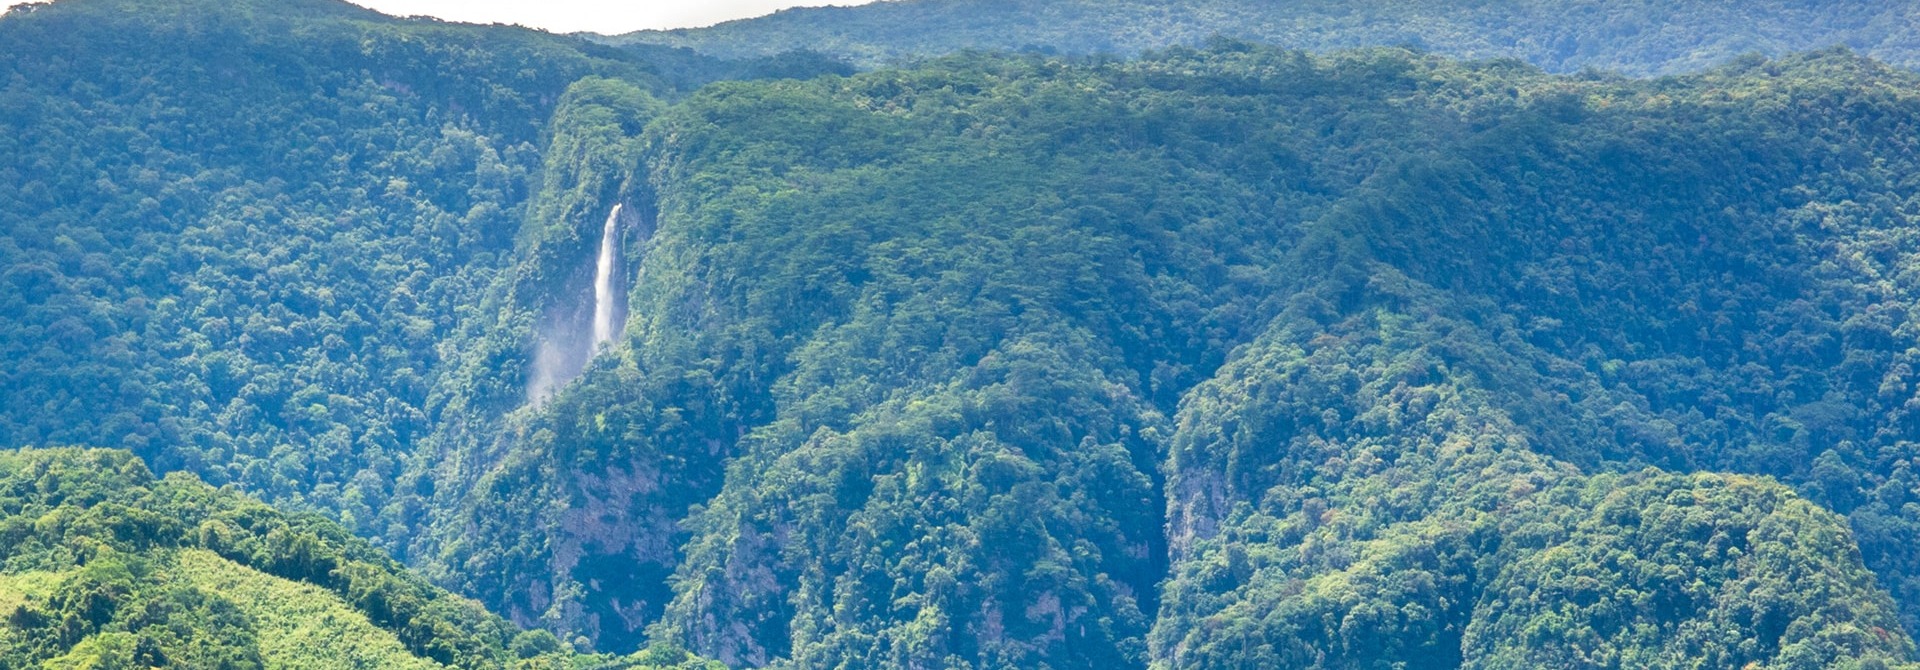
[575, 330]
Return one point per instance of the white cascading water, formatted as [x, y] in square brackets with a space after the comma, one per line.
[567, 341]
[603, 288]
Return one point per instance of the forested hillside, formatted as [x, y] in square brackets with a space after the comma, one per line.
[236, 233]
[1632, 36]
[1233, 356]
[105, 566]
[1386, 334]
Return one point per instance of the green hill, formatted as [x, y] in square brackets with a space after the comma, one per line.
[106, 566]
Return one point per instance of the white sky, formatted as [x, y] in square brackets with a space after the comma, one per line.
[600, 16]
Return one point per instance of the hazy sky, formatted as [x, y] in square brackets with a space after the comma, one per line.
[600, 16]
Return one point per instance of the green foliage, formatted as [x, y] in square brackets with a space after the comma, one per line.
[1352, 500]
[937, 319]
[284, 245]
[235, 234]
[204, 578]
[592, 163]
[105, 566]
[1760, 576]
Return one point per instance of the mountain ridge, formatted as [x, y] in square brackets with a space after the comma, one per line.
[1638, 38]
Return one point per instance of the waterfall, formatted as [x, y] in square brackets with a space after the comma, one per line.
[605, 294]
[573, 330]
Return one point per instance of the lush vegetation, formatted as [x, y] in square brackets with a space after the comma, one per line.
[235, 252]
[104, 566]
[236, 235]
[1350, 498]
[1225, 357]
[1635, 36]
[955, 327]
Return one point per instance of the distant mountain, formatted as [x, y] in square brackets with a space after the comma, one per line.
[1631, 36]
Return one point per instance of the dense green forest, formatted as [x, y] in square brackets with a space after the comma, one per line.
[236, 253]
[1221, 356]
[1633, 36]
[240, 254]
[951, 320]
[105, 566]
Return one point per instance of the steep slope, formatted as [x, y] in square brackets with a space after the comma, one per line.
[271, 243]
[939, 318]
[1640, 37]
[631, 446]
[105, 566]
[1349, 497]
[498, 403]
[235, 234]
